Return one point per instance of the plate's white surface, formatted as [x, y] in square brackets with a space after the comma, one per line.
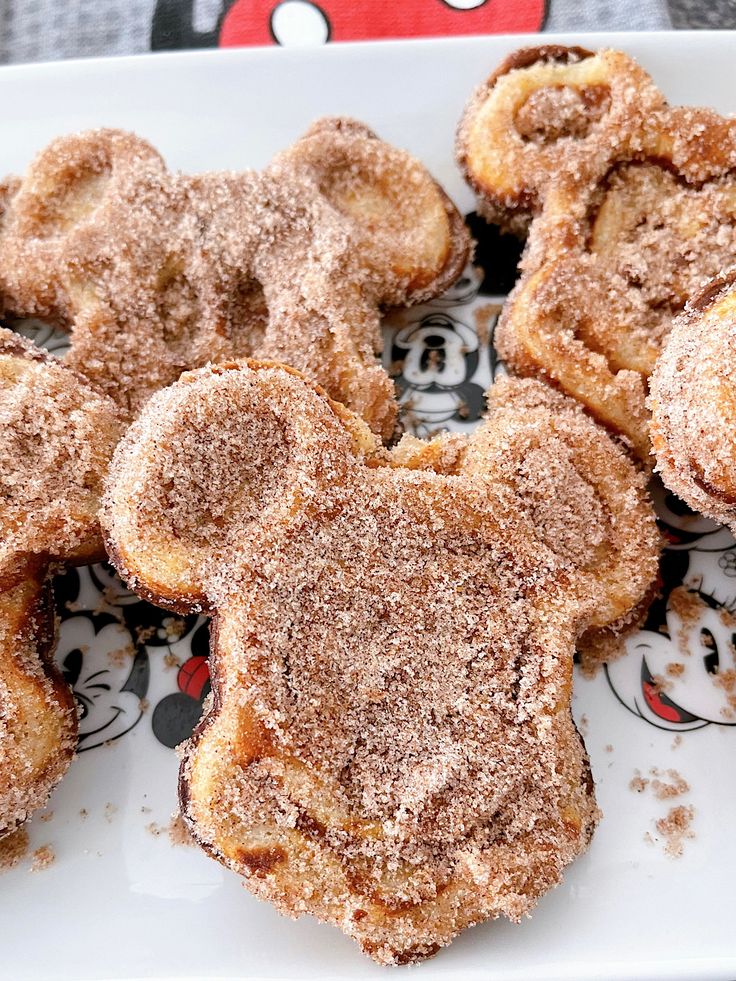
[121, 902]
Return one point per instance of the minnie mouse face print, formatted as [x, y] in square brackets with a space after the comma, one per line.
[679, 671]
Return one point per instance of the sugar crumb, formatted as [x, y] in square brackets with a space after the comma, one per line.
[42, 858]
[675, 828]
[13, 848]
[178, 831]
[638, 783]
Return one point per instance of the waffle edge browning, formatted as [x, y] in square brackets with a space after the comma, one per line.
[51, 482]
[693, 404]
[629, 205]
[329, 537]
[155, 272]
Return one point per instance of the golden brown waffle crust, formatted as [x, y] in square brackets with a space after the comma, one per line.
[330, 768]
[515, 209]
[155, 272]
[693, 403]
[57, 435]
[614, 187]
[33, 694]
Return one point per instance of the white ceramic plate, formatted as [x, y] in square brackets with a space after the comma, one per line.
[121, 901]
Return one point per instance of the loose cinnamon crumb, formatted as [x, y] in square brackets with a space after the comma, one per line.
[110, 812]
[638, 783]
[726, 681]
[661, 684]
[687, 604]
[171, 661]
[111, 596]
[664, 790]
[174, 628]
[463, 409]
[109, 602]
[144, 634]
[178, 831]
[675, 828]
[42, 858]
[121, 655]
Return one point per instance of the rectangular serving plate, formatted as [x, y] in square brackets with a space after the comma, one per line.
[121, 901]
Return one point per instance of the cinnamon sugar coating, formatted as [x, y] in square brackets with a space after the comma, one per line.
[155, 272]
[630, 206]
[56, 439]
[693, 403]
[389, 744]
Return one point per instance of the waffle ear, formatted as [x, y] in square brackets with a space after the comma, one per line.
[539, 115]
[57, 439]
[219, 465]
[582, 495]
[545, 330]
[410, 236]
[69, 179]
[64, 194]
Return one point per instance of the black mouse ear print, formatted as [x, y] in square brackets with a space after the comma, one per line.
[546, 111]
[410, 236]
[177, 714]
[229, 456]
[66, 593]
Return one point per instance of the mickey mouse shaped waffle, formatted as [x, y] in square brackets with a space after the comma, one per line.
[56, 440]
[155, 272]
[693, 402]
[630, 206]
[389, 744]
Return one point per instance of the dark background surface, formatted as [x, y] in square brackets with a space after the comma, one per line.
[703, 13]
